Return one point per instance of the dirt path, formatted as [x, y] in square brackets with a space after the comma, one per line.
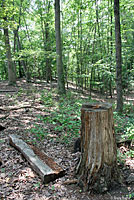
[19, 108]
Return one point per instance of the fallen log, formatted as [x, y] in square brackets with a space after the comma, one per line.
[44, 166]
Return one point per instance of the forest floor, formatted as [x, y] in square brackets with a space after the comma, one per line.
[20, 108]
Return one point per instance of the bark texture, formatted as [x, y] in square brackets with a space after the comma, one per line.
[60, 73]
[97, 169]
[11, 67]
[118, 56]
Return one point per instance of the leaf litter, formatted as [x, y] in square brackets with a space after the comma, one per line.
[17, 180]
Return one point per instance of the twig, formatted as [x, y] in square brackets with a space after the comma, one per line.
[69, 182]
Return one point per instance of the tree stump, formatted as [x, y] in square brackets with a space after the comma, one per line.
[97, 169]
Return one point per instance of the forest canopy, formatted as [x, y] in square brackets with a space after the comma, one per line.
[88, 41]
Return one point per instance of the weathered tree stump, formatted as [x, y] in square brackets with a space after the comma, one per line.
[97, 169]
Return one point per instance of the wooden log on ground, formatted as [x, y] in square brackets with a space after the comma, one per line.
[97, 170]
[44, 166]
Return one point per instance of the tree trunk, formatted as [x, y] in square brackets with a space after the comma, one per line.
[97, 169]
[22, 61]
[111, 51]
[45, 7]
[118, 57]
[11, 67]
[48, 61]
[60, 73]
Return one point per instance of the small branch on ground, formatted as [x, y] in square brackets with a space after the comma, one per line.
[69, 182]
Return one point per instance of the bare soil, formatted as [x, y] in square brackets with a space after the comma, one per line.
[19, 112]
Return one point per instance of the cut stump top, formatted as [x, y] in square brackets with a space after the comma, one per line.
[96, 107]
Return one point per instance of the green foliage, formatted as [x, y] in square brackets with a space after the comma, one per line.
[20, 92]
[65, 123]
[2, 141]
[64, 119]
[88, 41]
[124, 125]
[130, 196]
[47, 98]
[130, 153]
[2, 170]
[120, 122]
[121, 157]
[128, 109]
[39, 132]
[37, 185]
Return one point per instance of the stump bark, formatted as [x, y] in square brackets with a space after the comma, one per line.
[97, 170]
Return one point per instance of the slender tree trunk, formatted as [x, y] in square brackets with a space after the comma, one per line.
[22, 58]
[48, 46]
[11, 68]
[110, 45]
[27, 33]
[48, 61]
[118, 57]
[43, 37]
[47, 73]
[77, 46]
[17, 45]
[60, 73]
[29, 67]
[91, 81]
[81, 45]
